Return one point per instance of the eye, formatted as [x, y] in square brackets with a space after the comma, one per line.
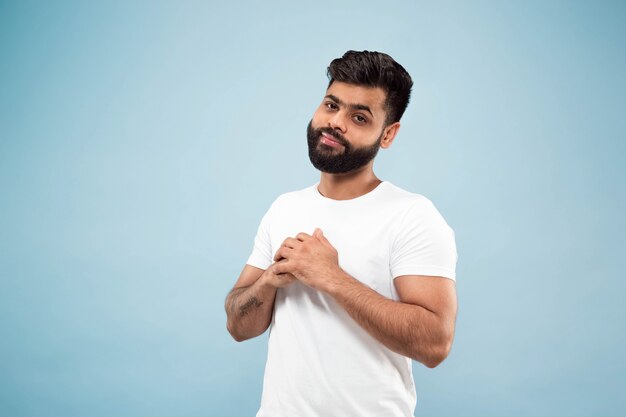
[359, 119]
[331, 106]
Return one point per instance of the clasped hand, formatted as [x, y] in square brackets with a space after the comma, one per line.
[312, 260]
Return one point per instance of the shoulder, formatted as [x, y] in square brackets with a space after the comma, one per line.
[412, 209]
[406, 200]
[294, 196]
[290, 200]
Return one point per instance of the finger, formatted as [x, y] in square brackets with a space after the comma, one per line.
[291, 242]
[320, 235]
[303, 236]
[280, 267]
[289, 276]
[285, 279]
[282, 253]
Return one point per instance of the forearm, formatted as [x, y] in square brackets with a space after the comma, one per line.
[408, 329]
[249, 309]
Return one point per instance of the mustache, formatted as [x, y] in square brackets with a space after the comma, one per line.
[336, 135]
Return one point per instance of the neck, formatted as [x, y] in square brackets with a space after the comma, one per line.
[348, 186]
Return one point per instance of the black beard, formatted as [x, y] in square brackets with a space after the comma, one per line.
[324, 158]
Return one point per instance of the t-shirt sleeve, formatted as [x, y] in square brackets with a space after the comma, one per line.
[424, 244]
[261, 256]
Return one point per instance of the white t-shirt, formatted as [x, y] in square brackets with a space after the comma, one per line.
[321, 363]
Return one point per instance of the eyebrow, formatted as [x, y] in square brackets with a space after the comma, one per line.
[351, 106]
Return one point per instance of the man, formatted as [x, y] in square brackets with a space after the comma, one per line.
[355, 275]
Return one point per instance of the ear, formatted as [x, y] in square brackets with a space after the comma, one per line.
[389, 134]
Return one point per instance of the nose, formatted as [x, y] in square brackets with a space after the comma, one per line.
[338, 122]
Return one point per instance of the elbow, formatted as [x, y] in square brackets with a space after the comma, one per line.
[440, 349]
[437, 354]
[238, 337]
[241, 333]
[436, 358]
[434, 361]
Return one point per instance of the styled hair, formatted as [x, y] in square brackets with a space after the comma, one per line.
[375, 69]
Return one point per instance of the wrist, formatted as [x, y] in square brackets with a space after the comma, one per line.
[339, 284]
[265, 281]
[270, 281]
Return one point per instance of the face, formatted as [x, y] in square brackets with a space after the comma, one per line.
[348, 128]
[330, 152]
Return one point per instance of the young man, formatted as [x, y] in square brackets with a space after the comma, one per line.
[355, 275]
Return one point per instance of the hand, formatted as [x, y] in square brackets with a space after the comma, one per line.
[310, 259]
[275, 279]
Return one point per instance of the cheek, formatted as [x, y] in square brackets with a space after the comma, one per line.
[318, 117]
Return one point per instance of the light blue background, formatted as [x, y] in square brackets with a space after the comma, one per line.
[140, 144]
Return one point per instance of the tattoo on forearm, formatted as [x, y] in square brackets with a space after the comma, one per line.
[245, 308]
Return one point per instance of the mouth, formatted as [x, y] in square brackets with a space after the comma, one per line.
[328, 140]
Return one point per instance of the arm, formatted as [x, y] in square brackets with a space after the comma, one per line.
[420, 325]
[250, 304]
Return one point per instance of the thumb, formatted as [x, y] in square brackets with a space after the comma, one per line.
[320, 235]
[278, 267]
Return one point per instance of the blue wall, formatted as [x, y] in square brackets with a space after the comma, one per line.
[140, 144]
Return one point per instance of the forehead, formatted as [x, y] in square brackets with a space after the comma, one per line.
[372, 97]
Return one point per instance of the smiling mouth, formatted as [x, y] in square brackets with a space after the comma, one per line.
[328, 140]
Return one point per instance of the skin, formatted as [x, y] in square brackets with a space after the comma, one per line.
[421, 324]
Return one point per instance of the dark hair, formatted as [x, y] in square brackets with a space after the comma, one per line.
[375, 69]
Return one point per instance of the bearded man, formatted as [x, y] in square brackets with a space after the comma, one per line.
[355, 276]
